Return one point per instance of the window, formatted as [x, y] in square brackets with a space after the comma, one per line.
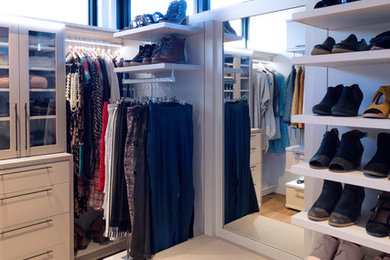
[139, 7]
[214, 4]
[71, 11]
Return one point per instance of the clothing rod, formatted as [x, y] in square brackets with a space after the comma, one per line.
[100, 43]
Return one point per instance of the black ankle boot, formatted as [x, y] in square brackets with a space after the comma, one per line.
[323, 207]
[332, 96]
[347, 210]
[349, 102]
[349, 155]
[380, 164]
[329, 145]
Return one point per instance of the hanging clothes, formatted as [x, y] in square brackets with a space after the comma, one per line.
[290, 83]
[263, 114]
[301, 92]
[295, 101]
[279, 145]
[240, 195]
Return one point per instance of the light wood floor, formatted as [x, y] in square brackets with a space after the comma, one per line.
[202, 248]
[273, 207]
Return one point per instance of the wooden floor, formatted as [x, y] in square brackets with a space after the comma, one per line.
[273, 207]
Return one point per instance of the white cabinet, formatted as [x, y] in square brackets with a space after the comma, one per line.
[36, 219]
[32, 78]
[256, 162]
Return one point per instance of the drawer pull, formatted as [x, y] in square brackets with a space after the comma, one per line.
[28, 170]
[35, 256]
[25, 194]
[253, 148]
[253, 167]
[28, 226]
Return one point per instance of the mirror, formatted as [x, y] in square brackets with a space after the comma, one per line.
[262, 89]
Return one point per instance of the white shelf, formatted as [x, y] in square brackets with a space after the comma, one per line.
[355, 234]
[43, 117]
[341, 16]
[231, 70]
[4, 89]
[156, 32]
[345, 59]
[359, 122]
[42, 69]
[157, 67]
[356, 177]
[2, 119]
[230, 37]
[4, 67]
[4, 44]
[96, 251]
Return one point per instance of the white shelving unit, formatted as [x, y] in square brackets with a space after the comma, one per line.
[355, 234]
[156, 32]
[158, 67]
[358, 121]
[360, 58]
[355, 177]
[346, 15]
[341, 17]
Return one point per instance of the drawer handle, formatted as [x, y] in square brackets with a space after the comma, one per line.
[253, 167]
[253, 135]
[25, 194]
[35, 256]
[28, 170]
[28, 226]
[253, 148]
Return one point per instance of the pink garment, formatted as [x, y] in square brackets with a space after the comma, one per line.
[102, 172]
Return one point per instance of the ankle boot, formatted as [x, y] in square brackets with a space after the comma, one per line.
[329, 145]
[349, 102]
[380, 164]
[379, 109]
[176, 11]
[325, 249]
[349, 155]
[157, 50]
[96, 231]
[171, 52]
[324, 48]
[332, 96]
[347, 210]
[349, 251]
[324, 205]
[139, 57]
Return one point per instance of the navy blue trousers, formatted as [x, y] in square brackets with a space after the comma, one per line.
[169, 156]
[240, 195]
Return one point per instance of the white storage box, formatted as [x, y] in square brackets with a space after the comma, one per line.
[295, 195]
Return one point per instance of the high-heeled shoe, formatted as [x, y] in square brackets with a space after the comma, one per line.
[379, 108]
[329, 145]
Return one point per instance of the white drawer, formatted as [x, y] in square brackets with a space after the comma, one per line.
[34, 237]
[60, 252]
[255, 155]
[16, 208]
[24, 178]
[256, 173]
[295, 198]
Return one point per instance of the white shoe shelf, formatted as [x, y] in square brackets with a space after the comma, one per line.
[148, 68]
[155, 32]
[355, 234]
[358, 121]
[340, 17]
[364, 12]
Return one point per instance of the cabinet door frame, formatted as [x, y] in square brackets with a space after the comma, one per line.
[13, 70]
[60, 145]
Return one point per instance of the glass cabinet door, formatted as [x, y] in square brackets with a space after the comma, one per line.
[8, 92]
[42, 88]
[42, 97]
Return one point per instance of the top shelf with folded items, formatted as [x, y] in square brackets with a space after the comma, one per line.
[346, 15]
[155, 32]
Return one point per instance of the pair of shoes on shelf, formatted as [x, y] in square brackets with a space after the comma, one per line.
[382, 256]
[380, 107]
[341, 207]
[329, 248]
[350, 44]
[379, 223]
[176, 13]
[326, 3]
[96, 231]
[339, 156]
[340, 101]
[168, 50]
